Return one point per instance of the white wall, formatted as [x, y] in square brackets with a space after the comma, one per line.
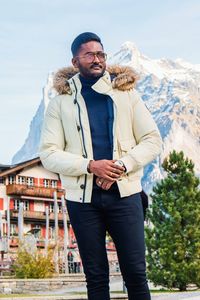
[38, 172]
[39, 206]
[26, 228]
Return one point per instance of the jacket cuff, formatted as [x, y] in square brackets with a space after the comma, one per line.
[129, 163]
[84, 166]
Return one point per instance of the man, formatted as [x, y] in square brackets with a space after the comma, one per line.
[98, 135]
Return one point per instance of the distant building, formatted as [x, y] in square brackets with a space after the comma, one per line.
[29, 182]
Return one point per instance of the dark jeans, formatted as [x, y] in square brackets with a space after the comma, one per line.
[123, 219]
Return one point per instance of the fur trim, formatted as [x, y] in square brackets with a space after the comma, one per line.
[60, 81]
[123, 78]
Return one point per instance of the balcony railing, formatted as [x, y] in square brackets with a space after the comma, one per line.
[37, 215]
[34, 191]
[40, 242]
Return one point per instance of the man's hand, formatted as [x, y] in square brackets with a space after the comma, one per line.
[103, 183]
[106, 169]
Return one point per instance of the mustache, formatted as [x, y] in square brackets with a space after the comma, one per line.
[96, 65]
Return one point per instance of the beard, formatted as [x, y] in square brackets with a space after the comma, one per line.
[95, 70]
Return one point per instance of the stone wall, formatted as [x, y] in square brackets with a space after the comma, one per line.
[31, 286]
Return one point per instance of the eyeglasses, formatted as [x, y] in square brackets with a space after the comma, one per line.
[90, 56]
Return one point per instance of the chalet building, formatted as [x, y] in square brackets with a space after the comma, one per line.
[34, 186]
[30, 183]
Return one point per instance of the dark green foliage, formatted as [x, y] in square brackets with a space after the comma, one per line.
[173, 239]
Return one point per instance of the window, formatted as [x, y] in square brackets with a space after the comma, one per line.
[26, 205]
[51, 207]
[16, 204]
[46, 183]
[59, 207]
[22, 180]
[11, 179]
[30, 181]
[2, 180]
[37, 233]
[54, 183]
[51, 232]
[13, 229]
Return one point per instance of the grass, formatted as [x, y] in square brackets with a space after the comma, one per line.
[161, 291]
[24, 295]
[16, 295]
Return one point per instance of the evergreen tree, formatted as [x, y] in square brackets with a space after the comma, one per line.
[173, 237]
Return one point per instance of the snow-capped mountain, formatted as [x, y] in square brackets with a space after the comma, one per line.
[30, 148]
[170, 90]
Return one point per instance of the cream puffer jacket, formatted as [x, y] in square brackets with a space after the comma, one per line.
[66, 145]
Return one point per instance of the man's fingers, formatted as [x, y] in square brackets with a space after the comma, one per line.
[117, 171]
[106, 185]
[109, 175]
[110, 178]
[116, 167]
[99, 181]
[104, 168]
[113, 175]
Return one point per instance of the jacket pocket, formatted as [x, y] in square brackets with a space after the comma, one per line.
[71, 182]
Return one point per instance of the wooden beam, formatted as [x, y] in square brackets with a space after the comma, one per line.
[20, 166]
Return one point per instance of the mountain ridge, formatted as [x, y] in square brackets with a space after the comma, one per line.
[170, 90]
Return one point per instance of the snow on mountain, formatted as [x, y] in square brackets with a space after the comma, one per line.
[30, 148]
[170, 90]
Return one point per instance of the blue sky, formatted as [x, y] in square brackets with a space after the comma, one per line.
[35, 38]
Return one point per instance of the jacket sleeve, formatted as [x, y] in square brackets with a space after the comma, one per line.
[52, 145]
[146, 133]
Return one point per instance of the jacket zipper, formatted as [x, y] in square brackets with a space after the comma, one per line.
[83, 138]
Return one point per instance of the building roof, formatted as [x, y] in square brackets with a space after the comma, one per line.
[4, 167]
[9, 169]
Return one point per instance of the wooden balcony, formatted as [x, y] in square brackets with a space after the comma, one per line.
[34, 191]
[34, 215]
[14, 242]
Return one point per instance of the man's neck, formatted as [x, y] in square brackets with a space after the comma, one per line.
[88, 80]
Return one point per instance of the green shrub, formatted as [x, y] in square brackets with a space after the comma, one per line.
[33, 265]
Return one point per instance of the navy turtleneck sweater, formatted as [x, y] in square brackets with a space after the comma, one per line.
[100, 114]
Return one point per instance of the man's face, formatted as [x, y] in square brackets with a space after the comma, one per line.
[90, 60]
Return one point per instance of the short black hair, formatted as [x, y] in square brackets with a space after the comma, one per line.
[83, 38]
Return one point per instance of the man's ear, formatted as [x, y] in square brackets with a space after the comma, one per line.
[75, 62]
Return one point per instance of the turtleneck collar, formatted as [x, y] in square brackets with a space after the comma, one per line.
[88, 81]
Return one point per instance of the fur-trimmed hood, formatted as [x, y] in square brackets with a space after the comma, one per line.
[123, 78]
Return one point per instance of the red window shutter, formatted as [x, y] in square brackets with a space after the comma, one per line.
[43, 232]
[61, 232]
[1, 203]
[31, 203]
[11, 203]
[59, 184]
